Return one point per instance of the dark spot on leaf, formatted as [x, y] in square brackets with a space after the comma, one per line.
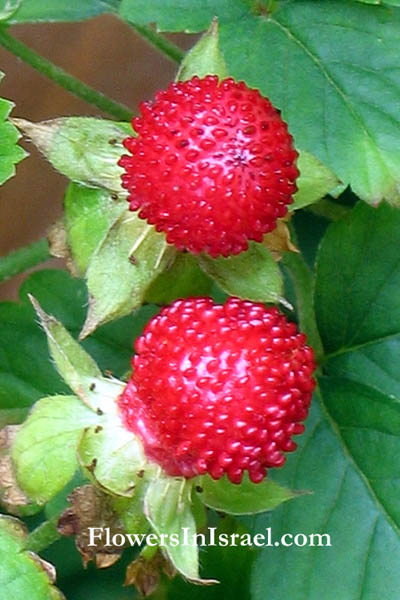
[99, 412]
[199, 489]
[114, 196]
[92, 387]
[133, 260]
[140, 473]
[112, 142]
[98, 428]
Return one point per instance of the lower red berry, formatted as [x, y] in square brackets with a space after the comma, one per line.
[219, 388]
[213, 165]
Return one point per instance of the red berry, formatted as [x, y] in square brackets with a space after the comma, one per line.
[213, 165]
[218, 388]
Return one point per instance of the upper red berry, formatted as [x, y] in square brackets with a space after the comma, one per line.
[219, 388]
[213, 165]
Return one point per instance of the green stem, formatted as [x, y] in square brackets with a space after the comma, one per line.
[64, 79]
[44, 535]
[303, 282]
[22, 259]
[160, 42]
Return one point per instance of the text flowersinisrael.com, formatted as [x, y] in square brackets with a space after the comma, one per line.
[105, 537]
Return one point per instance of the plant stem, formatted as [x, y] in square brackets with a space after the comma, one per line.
[64, 79]
[44, 535]
[22, 259]
[303, 281]
[160, 42]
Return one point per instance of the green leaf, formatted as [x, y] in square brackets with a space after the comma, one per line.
[122, 269]
[331, 67]
[113, 456]
[204, 58]
[347, 455]
[315, 181]
[183, 279]
[358, 270]
[84, 149]
[243, 499]
[26, 371]
[181, 15]
[8, 8]
[34, 11]
[167, 507]
[253, 274]
[10, 152]
[44, 449]
[23, 574]
[377, 2]
[89, 213]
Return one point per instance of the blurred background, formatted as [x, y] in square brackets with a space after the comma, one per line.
[105, 53]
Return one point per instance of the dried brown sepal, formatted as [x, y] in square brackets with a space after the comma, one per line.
[12, 498]
[58, 246]
[278, 240]
[92, 508]
[145, 574]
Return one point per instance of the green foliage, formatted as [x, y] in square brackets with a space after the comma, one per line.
[22, 574]
[44, 451]
[36, 11]
[10, 152]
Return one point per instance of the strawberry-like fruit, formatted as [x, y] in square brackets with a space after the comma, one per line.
[213, 165]
[218, 388]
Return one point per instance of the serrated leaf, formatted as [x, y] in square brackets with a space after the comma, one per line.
[88, 215]
[34, 11]
[22, 573]
[204, 58]
[10, 152]
[84, 149]
[113, 456]
[331, 67]
[122, 269]
[315, 181]
[167, 507]
[44, 449]
[253, 274]
[348, 453]
[180, 15]
[246, 498]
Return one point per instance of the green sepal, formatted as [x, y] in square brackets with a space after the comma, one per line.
[205, 58]
[167, 505]
[253, 275]
[44, 449]
[122, 268]
[84, 149]
[244, 499]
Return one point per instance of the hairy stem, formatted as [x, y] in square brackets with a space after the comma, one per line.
[22, 259]
[64, 79]
[44, 535]
[303, 282]
[160, 42]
